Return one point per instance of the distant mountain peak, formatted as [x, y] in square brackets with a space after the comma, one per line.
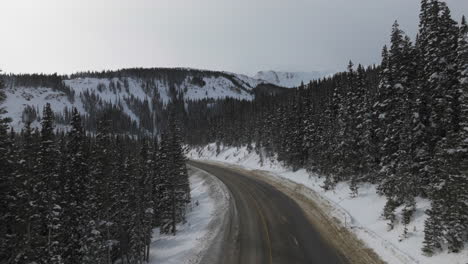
[289, 79]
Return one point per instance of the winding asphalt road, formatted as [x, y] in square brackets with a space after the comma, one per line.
[272, 228]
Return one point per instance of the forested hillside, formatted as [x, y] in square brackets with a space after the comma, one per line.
[402, 125]
[136, 99]
[74, 197]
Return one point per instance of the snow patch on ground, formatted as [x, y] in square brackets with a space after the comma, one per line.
[204, 221]
[362, 214]
[20, 97]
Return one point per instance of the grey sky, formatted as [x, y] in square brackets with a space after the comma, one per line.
[235, 35]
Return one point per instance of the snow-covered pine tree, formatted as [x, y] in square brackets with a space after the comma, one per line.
[101, 243]
[345, 124]
[381, 107]
[436, 48]
[421, 111]
[137, 231]
[394, 110]
[7, 197]
[297, 147]
[163, 187]
[311, 141]
[330, 154]
[460, 209]
[121, 198]
[25, 180]
[179, 169]
[447, 217]
[177, 188]
[405, 187]
[361, 133]
[390, 107]
[449, 194]
[76, 191]
[146, 200]
[443, 81]
[133, 220]
[462, 65]
[157, 181]
[49, 185]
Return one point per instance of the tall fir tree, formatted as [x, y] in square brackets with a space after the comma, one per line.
[76, 191]
[49, 191]
[7, 188]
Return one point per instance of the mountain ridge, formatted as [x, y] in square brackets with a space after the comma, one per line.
[290, 79]
[131, 91]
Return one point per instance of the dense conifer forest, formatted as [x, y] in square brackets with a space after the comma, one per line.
[77, 197]
[402, 125]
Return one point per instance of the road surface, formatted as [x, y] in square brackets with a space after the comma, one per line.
[272, 228]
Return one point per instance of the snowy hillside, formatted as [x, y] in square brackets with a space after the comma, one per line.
[137, 95]
[128, 91]
[289, 79]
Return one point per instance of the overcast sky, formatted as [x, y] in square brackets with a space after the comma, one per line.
[234, 35]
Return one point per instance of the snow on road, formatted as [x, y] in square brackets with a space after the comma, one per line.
[203, 223]
[362, 214]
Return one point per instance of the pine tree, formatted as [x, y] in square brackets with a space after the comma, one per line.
[177, 189]
[147, 197]
[25, 180]
[7, 195]
[361, 133]
[391, 107]
[408, 211]
[157, 181]
[76, 191]
[49, 194]
[432, 229]
[330, 155]
[462, 62]
[449, 190]
[99, 227]
[346, 142]
[441, 52]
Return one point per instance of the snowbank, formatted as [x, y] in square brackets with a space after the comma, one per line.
[204, 222]
[361, 214]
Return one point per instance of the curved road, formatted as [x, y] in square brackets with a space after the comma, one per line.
[272, 228]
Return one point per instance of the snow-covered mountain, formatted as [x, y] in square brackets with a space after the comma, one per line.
[132, 92]
[289, 79]
[137, 95]
[129, 90]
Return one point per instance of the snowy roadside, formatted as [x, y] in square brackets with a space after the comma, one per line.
[205, 218]
[361, 215]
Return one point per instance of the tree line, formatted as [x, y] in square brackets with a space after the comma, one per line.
[402, 125]
[76, 197]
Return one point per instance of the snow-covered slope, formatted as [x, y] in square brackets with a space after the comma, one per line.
[127, 91]
[289, 79]
[132, 92]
